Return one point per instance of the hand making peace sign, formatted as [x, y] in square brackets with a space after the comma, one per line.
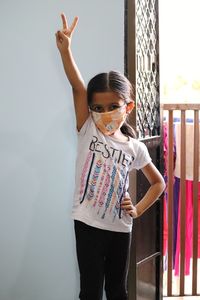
[63, 38]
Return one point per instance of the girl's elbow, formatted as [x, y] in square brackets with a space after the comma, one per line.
[162, 185]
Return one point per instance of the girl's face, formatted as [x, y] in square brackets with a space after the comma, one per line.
[108, 101]
[109, 111]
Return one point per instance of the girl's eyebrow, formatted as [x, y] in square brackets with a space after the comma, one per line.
[100, 104]
[94, 105]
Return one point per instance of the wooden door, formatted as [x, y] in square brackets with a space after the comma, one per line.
[142, 68]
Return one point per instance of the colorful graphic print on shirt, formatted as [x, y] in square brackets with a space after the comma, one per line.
[104, 179]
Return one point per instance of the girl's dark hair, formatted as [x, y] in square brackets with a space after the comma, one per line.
[115, 82]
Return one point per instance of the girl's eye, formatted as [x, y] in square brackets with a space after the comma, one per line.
[97, 109]
[101, 109]
[114, 106]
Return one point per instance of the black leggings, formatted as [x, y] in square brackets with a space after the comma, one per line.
[102, 254]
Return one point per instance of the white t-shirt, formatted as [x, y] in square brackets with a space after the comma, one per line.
[102, 177]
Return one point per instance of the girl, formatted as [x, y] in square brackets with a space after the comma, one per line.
[107, 152]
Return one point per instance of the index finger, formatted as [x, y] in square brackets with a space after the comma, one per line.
[64, 21]
[125, 201]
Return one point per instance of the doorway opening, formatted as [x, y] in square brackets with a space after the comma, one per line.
[180, 97]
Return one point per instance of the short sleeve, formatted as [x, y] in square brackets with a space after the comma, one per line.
[85, 126]
[142, 157]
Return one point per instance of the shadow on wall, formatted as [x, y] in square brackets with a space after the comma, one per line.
[38, 215]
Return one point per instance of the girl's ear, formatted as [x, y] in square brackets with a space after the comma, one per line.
[130, 107]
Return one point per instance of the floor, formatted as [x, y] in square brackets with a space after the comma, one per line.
[182, 298]
[176, 285]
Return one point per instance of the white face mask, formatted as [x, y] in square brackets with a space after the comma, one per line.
[109, 122]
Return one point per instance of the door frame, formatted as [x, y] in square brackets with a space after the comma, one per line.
[156, 142]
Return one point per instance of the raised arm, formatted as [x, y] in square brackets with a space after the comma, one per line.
[63, 40]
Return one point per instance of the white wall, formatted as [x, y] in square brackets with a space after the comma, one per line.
[38, 139]
[179, 51]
